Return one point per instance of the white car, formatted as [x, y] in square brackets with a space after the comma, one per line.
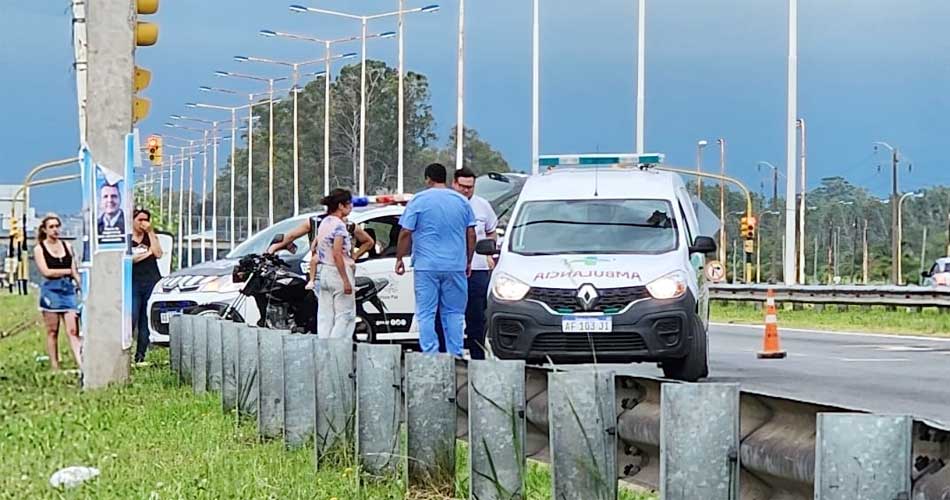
[207, 288]
[602, 262]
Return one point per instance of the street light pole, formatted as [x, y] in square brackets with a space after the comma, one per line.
[900, 234]
[535, 86]
[400, 145]
[250, 165]
[699, 167]
[460, 92]
[326, 122]
[270, 153]
[181, 207]
[214, 192]
[792, 115]
[722, 199]
[641, 77]
[293, 90]
[801, 207]
[233, 174]
[895, 212]
[204, 194]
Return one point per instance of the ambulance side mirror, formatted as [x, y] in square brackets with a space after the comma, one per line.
[487, 247]
[703, 245]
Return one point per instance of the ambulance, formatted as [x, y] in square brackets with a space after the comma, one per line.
[602, 262]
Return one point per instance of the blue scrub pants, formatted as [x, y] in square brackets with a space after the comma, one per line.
[446, 292]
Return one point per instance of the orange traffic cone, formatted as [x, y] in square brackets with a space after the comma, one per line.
[770, 343]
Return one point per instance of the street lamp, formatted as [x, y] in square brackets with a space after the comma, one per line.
[191, 190]
[270, 162]
[327, 44]
[295, 72]
[363, 22]
[181, 190]
[801, 211]
[250, 148]
[722, 198]
[233, 110]
[204, 180]
[700, 145]
[900, 233]
[758, 248]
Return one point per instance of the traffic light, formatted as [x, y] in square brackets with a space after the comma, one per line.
[747, 227]
[146, 34]
[154, 148]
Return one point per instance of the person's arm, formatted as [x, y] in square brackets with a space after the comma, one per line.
[290, 237]
[470, 249]
[491, 233]
[312, 273]
[155, 246]
[366, 242]
[402, 250]
[74, 268]
[340, 263]
[46, 271]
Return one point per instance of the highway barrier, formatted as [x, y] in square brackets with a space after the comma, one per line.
[849, 295]
[592, 424]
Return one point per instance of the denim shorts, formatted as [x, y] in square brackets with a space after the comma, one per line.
[59, 295]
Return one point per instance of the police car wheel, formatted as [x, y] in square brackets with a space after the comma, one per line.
[695, 365]
[364, 331]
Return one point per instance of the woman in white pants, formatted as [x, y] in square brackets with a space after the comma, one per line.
[336, 305]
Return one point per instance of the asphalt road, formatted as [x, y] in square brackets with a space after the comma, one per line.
[877, 373]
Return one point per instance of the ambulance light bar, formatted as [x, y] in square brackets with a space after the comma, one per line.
[600, 159]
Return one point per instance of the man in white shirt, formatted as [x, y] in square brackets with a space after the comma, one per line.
[486, 223]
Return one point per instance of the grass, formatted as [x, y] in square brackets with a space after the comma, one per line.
[153, 439]
[874, 320]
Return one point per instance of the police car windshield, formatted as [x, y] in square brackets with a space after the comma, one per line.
[260, 241]
[594, 227]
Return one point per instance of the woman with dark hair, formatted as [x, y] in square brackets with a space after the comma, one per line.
[58, 293]
[146, 250]
[336, 310]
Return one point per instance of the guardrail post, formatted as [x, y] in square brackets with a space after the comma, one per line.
[174, 344]
[430, 421]
[229, 366]
[583, 432]
[215, 355]
[335, 379]
[378, 407]
[199, 368]
[300, 398]
[496, 429]
[863, 457]
[270, 368]
[699, 441]
[248, 381]
[187, 349]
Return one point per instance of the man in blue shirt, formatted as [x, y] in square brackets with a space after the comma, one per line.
[438, 226]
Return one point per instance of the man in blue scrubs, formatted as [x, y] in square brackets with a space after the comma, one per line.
[438, 226]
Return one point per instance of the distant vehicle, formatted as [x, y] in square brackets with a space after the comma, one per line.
[602, 262]
[939, 274]
[209, 288]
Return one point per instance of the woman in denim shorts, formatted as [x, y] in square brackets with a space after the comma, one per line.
[59, 298]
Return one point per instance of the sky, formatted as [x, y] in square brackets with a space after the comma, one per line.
[869, 70]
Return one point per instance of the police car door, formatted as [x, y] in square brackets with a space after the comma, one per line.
[396, 323]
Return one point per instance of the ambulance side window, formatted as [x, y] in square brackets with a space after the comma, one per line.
[689, 230]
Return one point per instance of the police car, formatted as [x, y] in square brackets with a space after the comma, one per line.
[207, 288]
[602, 262]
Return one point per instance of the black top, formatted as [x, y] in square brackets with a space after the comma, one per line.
[146, 270]
[64, 262]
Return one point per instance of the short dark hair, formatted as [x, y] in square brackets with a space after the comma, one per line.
[140, 211]
[464, 172]
[337, 197]
[435, 172]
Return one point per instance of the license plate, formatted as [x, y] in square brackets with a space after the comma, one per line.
[589, 324]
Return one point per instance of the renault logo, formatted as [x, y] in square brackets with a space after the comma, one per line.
[587, 296]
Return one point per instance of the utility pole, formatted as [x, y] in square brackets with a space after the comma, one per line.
[864, 264]
[111, 42]
[895, 215]
[923, 252]
[722, 199]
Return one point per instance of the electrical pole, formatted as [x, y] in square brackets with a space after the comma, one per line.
[111, 42]
[722, 199]
[923, 252]
[864, 264]
[895, 230]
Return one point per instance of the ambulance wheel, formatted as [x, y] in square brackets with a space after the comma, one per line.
[695, 365]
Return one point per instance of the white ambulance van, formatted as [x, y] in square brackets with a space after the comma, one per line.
[602, 262]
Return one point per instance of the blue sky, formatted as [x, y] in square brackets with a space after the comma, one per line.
[869, 70]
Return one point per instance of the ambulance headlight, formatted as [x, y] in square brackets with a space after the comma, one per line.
[509, 289]
[671, 286]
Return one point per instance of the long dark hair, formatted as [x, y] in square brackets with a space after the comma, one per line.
[41, 231]
[337, 197]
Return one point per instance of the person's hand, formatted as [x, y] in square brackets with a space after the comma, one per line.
[347, 288]
[309, 285]
[491, 262]
[146, 226]
[468, 270]
[400, 267]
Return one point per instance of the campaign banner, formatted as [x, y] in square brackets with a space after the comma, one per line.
[86, 181]
[110, 213]
[126, 302]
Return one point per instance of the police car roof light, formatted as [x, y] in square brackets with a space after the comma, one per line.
[383, 199]
[600, 159]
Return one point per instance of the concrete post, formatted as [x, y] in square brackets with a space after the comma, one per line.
[111, 43]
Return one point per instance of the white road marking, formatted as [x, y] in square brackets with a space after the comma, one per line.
[832, 332]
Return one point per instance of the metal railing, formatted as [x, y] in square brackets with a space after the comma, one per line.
[857, 295]
[593, 426]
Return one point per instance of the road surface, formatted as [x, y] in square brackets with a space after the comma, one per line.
[877, 373]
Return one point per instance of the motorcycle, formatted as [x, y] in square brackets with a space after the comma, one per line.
[285, 303]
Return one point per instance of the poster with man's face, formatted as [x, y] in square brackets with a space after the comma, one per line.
[111, 226]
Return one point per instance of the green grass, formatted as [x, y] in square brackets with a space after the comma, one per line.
[874, 320]
[154, 439]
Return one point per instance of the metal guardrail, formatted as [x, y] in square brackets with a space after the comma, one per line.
[687, 440]
[897, 296]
